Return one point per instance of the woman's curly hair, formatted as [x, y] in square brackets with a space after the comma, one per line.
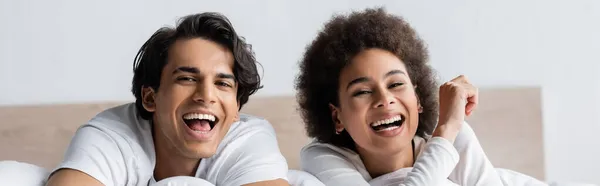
[343, 38]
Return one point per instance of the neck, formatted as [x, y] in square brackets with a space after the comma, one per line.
[380, 163]
[169, 162]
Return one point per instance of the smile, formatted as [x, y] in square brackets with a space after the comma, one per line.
[388, 124]
[200, 123]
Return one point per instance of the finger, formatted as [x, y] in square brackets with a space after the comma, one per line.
[472, 94]
[472, 99]
[469, 109]
[461, 79]
[457, 78]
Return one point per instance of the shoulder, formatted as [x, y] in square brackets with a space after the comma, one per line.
[119, 117]
[249, 125]
[256, 123]
[112, 146]
[317, 153]
[121, 122]
[316, 148]
[333, 165]
[121, 127]
[248, 133]
[248, 153]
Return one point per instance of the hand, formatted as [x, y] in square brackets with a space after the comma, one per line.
[182, 181]
[458, 98]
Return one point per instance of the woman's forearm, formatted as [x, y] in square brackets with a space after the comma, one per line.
[447, 130]
[474, 168]
[432, 167]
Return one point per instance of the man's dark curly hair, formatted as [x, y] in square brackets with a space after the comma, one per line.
[343, 38]
[152, 56]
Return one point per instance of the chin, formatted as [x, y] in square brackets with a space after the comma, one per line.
[202, 151]
[398, 142]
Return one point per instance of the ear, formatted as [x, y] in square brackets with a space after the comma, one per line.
[420, 108]
[339, 127]
[148, 99]
[236, 118]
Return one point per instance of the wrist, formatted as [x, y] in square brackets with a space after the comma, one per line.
[447, 130]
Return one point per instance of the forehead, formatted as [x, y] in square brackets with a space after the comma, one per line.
[208, 56]
[372, 63]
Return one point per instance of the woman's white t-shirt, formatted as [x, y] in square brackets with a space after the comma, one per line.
[116, 148]
[438, 162]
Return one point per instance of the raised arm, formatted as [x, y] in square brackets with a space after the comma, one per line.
[474, 168]
[432, 167]
[458, 99]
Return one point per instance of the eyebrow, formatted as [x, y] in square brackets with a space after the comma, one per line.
[365, 79]
[357, 81]
[192, 70]
[393, 72]
[226, 76]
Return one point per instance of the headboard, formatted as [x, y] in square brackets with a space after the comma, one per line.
[507, 122]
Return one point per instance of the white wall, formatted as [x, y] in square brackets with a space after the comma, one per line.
[65, 51]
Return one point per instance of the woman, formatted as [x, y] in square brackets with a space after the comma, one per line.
[368, 96]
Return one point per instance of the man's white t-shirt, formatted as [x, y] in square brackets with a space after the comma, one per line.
[116, 148]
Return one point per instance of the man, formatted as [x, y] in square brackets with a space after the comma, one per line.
[189, 83]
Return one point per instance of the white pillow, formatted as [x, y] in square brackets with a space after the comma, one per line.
[22, 174]
[295, 177]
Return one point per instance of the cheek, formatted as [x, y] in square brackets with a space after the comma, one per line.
[353, 114]
[229, 96]
[355, 124]
[411, 103]
[408, 100]
[358, 105]
[170, 97]
[229, 103]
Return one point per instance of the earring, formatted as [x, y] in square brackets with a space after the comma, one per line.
[339, 132]
[420, 109]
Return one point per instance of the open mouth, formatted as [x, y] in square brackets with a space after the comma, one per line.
[388, 124]
[202, 123]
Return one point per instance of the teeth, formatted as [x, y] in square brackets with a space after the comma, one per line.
[386, 121]
[199, 116]
[201, 132]
[389, 128]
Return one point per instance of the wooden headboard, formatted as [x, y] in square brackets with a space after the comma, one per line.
[507, 122]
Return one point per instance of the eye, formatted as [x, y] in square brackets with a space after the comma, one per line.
[394, 85]
[224, 84]
[361, 92]
[186, 79]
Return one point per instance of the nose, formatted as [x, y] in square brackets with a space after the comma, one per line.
[384, 99]
[205, 93]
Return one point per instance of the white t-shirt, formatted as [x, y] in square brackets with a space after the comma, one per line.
[437, 163]
[116, 148]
